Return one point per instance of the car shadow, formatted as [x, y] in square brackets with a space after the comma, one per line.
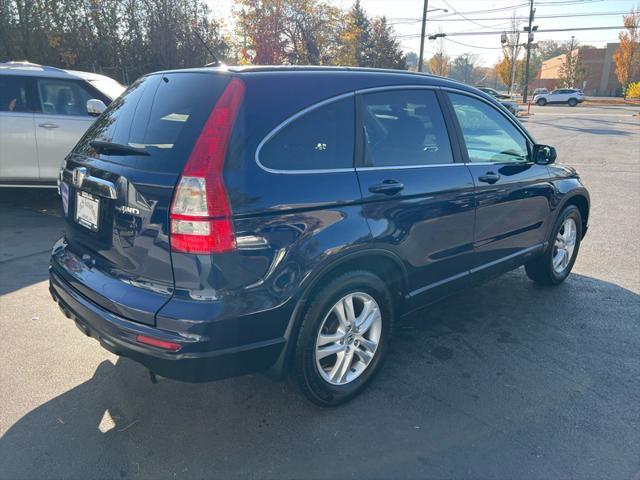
[31, 223]
[504, 380]
[588, 130]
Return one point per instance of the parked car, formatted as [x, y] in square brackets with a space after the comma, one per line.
[512, 107]
[494, 93]
[570, 96]
[43, 113]
[217, 224]
[503, 99]
[539, 91]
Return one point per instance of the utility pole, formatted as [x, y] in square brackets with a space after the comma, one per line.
[424, 26]
[572, 75]
[514, 61]
[529, 40]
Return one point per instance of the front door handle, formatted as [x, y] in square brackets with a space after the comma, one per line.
[48, 125]
[387, 187]
[489, 177]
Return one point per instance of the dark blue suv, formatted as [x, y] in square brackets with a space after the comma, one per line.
[221, 221]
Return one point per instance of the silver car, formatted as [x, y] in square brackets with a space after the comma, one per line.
[43, 113]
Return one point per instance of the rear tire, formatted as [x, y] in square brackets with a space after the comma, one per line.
[542, 102]
[573, 102]
[358, 350]
[553, 267]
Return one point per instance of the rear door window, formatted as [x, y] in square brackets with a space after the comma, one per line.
[321, 139]
[162, 114]
[404, 128]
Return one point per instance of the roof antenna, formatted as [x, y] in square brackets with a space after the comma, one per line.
[216, 62]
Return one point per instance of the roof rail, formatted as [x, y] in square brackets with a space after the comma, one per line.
[27, 64]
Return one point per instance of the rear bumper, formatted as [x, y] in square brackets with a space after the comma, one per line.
[190, 364]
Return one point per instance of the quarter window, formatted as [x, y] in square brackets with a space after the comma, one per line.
[404, 128]
[489, 136]
[62, 97]
[320, 139]
[13, 94]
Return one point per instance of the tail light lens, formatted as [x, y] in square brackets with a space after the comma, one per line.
[156, 342]
[200, 213]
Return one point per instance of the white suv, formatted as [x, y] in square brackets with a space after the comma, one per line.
[570, 96]
[43, 113]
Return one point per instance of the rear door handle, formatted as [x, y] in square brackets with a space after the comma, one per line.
[48, 125]
[489, 177]
[387, 187]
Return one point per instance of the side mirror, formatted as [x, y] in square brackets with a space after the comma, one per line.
[95, 107]
[544, 154]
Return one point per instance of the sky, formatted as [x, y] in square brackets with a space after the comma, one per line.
[467, 16]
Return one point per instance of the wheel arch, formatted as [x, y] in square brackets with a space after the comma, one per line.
[580, 199]
[380, 262]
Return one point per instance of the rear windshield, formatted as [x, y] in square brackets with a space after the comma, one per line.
[162, 114]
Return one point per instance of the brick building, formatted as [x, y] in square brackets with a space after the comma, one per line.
[600, 77]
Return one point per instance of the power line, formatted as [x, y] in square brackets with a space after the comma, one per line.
[486, 10]
[466, 18]
[472, 46]
[466, 34]
[402, 20]
[568, 2]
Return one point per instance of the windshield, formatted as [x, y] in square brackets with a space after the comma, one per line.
[108, 86]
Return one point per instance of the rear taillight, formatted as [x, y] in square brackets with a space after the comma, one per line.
[200, 213]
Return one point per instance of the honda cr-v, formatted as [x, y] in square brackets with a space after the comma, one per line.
[227, 221]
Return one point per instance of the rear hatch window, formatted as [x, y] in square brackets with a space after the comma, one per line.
[118, 199]
[162, 114]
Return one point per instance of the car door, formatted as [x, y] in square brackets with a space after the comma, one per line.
[418, 200]
[18, 152]
[61, 121]
[559, 96]
[513, 193]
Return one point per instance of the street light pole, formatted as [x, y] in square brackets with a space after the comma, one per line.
[424, 26]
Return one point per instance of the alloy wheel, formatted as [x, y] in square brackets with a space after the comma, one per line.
[348, 338]
[564, 245]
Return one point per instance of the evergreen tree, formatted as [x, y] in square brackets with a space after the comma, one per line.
[385, 51]
[356, 39]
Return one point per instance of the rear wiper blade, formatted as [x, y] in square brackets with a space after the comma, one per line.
[110, 148]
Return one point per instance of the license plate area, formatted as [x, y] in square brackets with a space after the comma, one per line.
[87, 210]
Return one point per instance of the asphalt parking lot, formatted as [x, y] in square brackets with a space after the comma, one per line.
[506, 380]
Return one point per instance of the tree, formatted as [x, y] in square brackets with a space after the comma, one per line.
[356, 38]
[312, 30]
[463, 68]
[627, 57]
[439, 62]
[411, 59]
[261, 25]
[510, 51]
[385, 51]
[572, 71]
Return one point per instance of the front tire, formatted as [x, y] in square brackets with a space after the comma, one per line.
[573, 102]
[542, 102]
[554, 266]
[343, 338]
